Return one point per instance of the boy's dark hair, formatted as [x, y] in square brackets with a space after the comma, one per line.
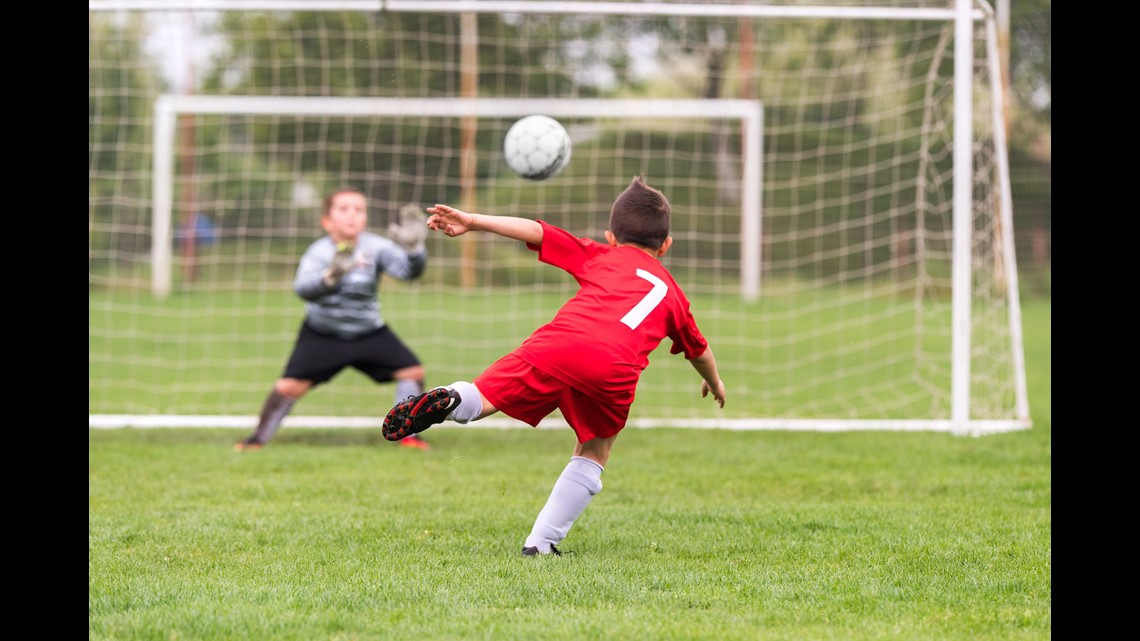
[326, 205]
[640, 216]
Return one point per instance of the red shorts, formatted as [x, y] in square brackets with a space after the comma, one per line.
[524, 392]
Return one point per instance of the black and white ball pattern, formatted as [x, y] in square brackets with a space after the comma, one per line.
[537, 147]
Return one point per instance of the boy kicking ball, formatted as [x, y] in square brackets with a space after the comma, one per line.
[586, 361]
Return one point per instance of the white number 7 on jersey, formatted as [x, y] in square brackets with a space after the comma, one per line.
[634, 317]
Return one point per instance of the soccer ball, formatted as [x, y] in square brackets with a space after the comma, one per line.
[537, 147]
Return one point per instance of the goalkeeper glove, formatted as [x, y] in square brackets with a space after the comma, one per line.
[343, 261]
[411, 230]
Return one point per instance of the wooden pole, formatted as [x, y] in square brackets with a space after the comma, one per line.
[747, 91]
[1003, 49]
[1003, 55]
[469, 88]
[187, 168]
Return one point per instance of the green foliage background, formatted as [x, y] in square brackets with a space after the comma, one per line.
[408, 54]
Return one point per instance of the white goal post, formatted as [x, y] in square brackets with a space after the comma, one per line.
[750, 113]
[882, 233]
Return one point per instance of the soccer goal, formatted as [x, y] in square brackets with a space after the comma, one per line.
[847, 249]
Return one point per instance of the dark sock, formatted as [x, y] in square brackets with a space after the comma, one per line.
[274, 411]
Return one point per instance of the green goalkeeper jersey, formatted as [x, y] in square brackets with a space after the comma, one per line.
[351, 307]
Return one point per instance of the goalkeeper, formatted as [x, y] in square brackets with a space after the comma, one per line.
[338, 278]
[585, 362]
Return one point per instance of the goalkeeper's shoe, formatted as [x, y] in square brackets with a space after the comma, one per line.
[247, 444]
[417, 413]
[533, 551]
[415, 442]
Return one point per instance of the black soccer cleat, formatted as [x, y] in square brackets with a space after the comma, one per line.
[533, 551]
[417, 413]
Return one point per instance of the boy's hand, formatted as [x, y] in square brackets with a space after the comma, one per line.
[343, 262]
[410, 231]
[449, 220]
[717, 392]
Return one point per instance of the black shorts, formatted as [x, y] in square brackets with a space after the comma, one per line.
[318, 357]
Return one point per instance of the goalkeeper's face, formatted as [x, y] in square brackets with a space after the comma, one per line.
[346, 217]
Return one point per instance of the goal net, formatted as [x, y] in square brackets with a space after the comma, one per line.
[847, 250]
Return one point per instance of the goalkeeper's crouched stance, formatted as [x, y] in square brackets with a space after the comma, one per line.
[338, 278]
[587, 360]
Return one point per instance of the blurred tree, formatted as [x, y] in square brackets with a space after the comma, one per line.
[1031, 56]
[1030, 140]
[378, 55]
[122, 81]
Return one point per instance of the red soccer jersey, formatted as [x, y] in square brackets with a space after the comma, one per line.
[600, 340]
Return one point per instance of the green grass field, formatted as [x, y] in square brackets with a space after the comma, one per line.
[338, 535]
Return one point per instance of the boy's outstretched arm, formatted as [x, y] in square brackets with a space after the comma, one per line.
[455, 222]
[705, 364]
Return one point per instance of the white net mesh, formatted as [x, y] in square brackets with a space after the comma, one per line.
[853, 320]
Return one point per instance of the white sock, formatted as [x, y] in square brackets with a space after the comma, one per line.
[470, 402]
[407, 387]
[573, 491]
